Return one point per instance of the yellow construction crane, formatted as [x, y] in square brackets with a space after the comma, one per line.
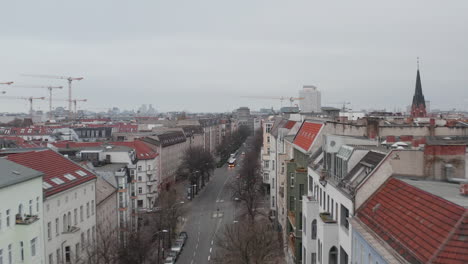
[30, 99]
[281, 98]
[69, 79]
[50, 88]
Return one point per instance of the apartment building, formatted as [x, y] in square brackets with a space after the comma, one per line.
[21, 214]
[69, 218]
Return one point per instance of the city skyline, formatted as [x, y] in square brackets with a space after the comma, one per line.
[200, 57]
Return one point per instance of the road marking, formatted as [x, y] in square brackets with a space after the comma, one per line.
[196, 247]
[221, 201]
[209, 258]
[211, 249]
[194, 253]
[191, 262]
[211, 242]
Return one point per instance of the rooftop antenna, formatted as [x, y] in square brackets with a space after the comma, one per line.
[417, 61]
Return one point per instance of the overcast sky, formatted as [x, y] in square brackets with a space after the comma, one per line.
[199, 55]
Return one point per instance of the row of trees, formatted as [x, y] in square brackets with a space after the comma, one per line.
[231, 143]
[143, 245]
[252, 238]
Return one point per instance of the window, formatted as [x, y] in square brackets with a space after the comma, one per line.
[37, 204]
[291, 203]
[140, 190]
[88, 233]
[58, 256]
[57, 181]
[344, 217]
[140, 178]
[311, 181]
[305, 226]
[81, 173]
[314, 229]
[22, 250]
[267, 163]
[30, 207]
[272, 164]
[69, 176]
[56, 226]
[10, 254]
[301, 191]
[93, 233]
[292, 180]
[64, 223]
[314, 258]
[67, 254]
[1, 256]
[77, 250]
[139, 168]
[51, 258]
[49, 230]
[331, 211]
[75, 216]
[82, 240]
[273, 201]
[268, 139]
[273, 183]
[8, 218]
[149, 167]
[33, 247]
[140, 203]
[81, 213]
[87, 210]
[92, 207]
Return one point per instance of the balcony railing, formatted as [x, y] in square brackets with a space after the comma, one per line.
[71, 229]
[26, 220]
[327, 218]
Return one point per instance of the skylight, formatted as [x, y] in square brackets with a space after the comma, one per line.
[46, 186]
[69, 176]
[81, 173]
[57, 181]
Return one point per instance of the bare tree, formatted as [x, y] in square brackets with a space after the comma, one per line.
[197, 165]
[248, 243]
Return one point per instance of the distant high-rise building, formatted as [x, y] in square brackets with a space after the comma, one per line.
[312, 101]
[418, 107]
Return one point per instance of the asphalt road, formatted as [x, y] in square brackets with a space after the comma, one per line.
[204, 219]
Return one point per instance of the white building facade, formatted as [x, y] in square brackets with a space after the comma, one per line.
[21, 214]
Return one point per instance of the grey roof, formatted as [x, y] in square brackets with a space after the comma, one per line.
[448, 140]
[12, 173]
[446, 190]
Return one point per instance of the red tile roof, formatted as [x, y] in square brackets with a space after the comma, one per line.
[306, 135]
[418, 225]
[289, 124]
[143, 151]
[72, 144]
[54, 166]
[28, 131]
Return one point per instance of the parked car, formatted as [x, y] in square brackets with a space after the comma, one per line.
[169, 260]
[183, 235]
[174, 255]
[177, 247]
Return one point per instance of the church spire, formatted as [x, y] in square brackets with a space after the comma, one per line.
[418, 108]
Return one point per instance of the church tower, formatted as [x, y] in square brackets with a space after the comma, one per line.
[418, 108]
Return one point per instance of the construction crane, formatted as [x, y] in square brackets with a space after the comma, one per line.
[7, 83]
[69, 79]
[50, 88]
[281, 98]
[74, 101]
[343, 105]
[30, 99]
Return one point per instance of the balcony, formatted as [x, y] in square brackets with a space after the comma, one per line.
[292, 245]
[71, 230]
[150, 183]
[151, 194]
[292, 219]
[327, 218]
[26, 220]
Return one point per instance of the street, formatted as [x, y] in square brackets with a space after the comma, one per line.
[207, 213]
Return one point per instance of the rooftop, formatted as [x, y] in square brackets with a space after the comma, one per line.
[445, 190]
[12, 173]
[60, 173]
[418, 225]
[307, 134]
